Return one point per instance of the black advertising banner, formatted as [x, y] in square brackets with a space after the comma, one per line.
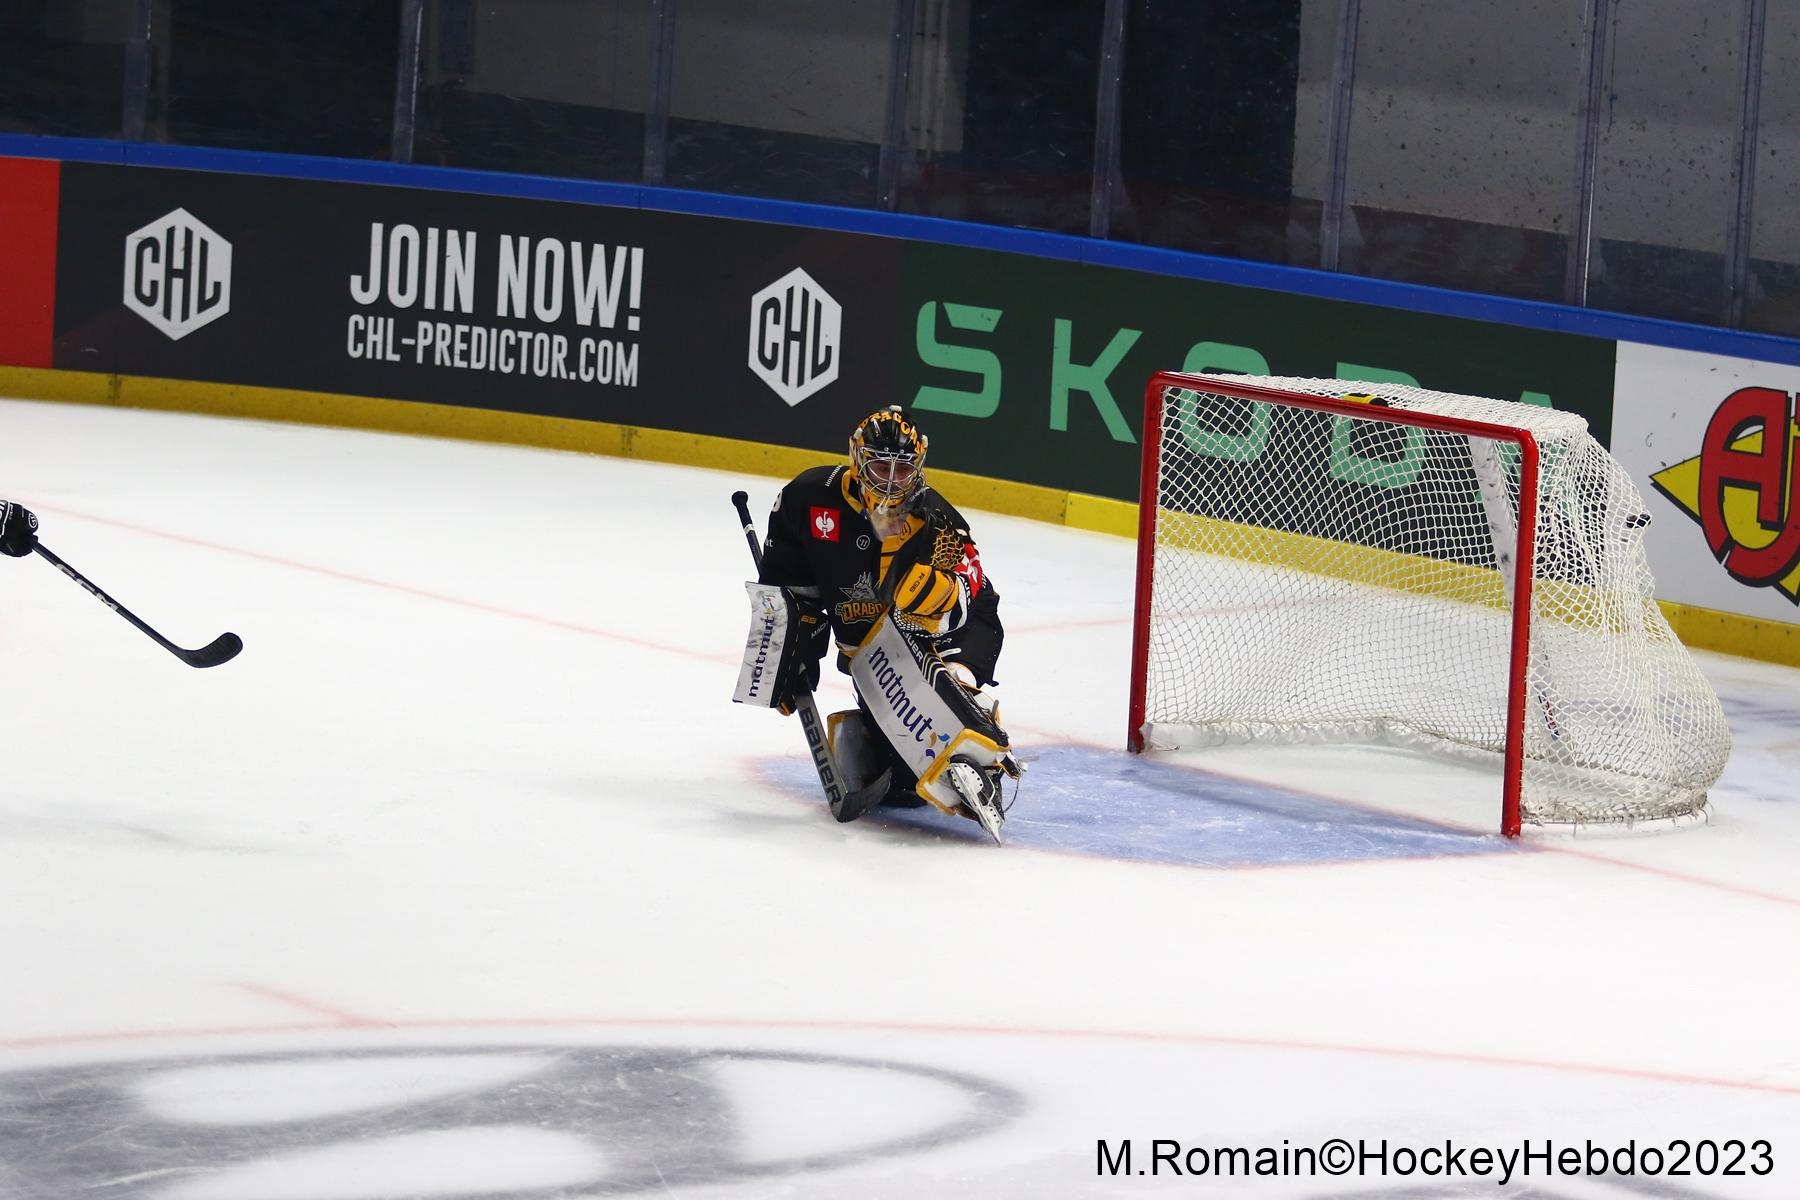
[1034, 369]
[1020, 368]
[763, 332]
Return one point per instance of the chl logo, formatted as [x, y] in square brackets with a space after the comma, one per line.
[1744, 490]
[177, 274]
[795, 331]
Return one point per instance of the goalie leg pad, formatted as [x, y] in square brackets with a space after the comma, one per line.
[924, 713]
[861, 757]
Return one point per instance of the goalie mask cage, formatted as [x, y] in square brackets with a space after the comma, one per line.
[1413, 567]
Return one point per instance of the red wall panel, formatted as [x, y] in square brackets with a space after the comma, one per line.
[28, 200]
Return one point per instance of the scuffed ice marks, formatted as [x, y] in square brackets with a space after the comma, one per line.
[536, 1122]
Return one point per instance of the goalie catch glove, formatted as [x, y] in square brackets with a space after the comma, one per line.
[925, 593]
[18, 529]
[921, 579]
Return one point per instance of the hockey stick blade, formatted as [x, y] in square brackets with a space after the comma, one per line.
[856, 803]
[221, 649]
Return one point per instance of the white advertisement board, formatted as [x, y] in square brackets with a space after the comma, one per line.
[1711, 442]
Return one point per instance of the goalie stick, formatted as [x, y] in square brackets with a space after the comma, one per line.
[221, 649]
[846, 805]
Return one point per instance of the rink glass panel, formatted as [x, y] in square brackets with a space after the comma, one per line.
[784, 99]
[62, 68]
[1665, 171]
[1772, 297]
[1459, 161]
[538, 87]
[1214, 101]
[1460, 168]
[1000, 123]
[312, 78]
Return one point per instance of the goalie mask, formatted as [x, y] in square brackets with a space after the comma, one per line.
[887, 452]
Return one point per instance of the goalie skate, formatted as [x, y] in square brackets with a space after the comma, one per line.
[980, 792]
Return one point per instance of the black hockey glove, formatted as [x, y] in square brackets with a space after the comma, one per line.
[800, 667]
[18, 529]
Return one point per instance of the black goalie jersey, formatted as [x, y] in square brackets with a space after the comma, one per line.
[823, 548]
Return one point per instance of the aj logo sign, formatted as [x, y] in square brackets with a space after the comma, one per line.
[795, 328]
[177, 274]
[1743, 488]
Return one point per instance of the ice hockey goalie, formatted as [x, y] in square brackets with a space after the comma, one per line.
[866, 555]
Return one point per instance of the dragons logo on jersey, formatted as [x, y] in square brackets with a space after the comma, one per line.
[861, 603]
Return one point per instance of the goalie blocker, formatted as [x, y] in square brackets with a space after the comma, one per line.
[932, 726]
[781, 653]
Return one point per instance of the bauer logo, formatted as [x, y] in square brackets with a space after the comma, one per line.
[1742, 489]
[177, 274]
[795, 330]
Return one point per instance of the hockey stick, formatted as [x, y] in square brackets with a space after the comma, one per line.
[846, 805]
[221, 649]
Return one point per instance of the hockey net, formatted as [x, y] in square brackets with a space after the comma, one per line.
[1318, 563]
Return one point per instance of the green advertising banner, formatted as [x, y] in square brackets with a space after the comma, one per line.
[1034, 369]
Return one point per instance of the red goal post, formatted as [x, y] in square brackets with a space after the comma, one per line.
[1316, 563]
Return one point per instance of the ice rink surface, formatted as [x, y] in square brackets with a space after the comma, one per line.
[467, 880]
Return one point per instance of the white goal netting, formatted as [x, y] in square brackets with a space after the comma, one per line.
[1315, 575]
